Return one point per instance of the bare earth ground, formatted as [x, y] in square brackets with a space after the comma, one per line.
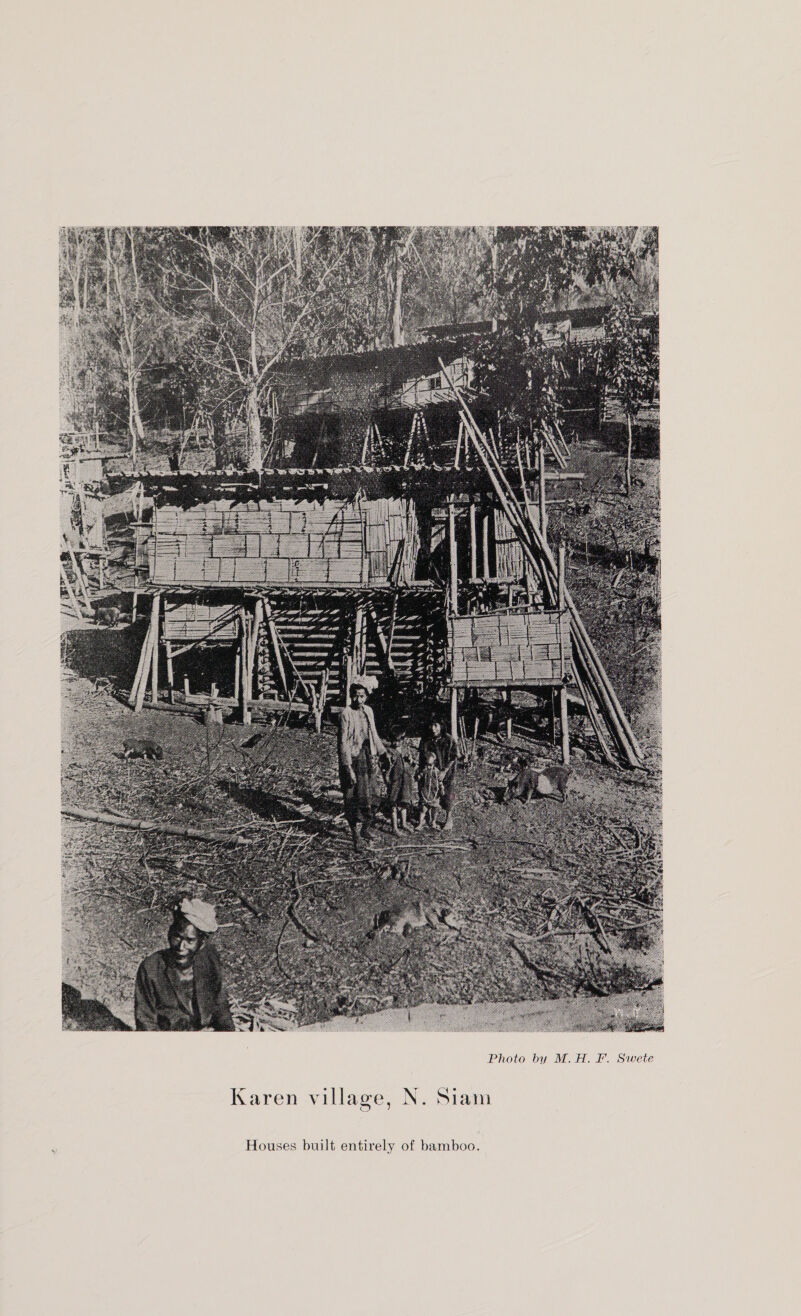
[558, 906]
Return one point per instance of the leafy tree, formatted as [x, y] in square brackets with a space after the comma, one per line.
[629, 364]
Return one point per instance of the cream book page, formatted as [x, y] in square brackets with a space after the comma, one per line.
[398, 659]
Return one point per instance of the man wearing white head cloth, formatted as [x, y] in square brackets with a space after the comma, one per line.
[360, 748]
[180, 989]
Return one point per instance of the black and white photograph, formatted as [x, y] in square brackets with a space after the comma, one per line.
[360, 629]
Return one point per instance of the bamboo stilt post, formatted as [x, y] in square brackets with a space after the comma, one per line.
[186, 686]
[154, 659]
[147, 654]
[143, 657]
[454, 565]
[134, 606]
[243, 664]
[170, 672]
[473, 564]
[382, 640]
[273, 634]
[541, 491]
[563, 722]
[508, 714]
[393, 619]
[237, 665]
[485, 532]
[254, 645]
[410, 441]
[458, 445]
[79, 580]
[366, 443]
[70, 594]
[454, 602]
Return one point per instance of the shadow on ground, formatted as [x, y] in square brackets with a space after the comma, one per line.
[78, 1014]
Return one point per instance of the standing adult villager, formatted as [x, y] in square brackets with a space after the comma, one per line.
[360, 748]
[443, 746]
[180, 989]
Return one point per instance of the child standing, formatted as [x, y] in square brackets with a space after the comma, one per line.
[430, 779]
[400, 785]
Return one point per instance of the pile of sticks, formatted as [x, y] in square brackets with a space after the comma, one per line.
[605, 712]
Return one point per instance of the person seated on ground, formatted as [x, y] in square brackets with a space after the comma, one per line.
[444, 749]
[180, 989]
[400, 785]
[360, 748]
[430, 779]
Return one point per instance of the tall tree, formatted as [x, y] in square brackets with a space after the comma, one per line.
[629, 365]
[248, 293]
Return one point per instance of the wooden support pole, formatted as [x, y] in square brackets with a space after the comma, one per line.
[243, 663]
[237, 666]
[407, 454]
[186, 686]
[170, 672]
[392, 621]
[254, 645]
[560, 592]
[459, 437]
[564, 724]
[154, 657]
[140, 689]
[454, 565]
[271, 631]
[455, 713]
[134, 606]
[79, 580]
[473, 564]
[508, 714]
[485, 533]
[65, 581]
[543, 513]
[140, 671]
[382, 640]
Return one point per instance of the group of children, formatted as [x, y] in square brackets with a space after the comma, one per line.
[432, 768]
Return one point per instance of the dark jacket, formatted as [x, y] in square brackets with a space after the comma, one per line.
[159, 1004]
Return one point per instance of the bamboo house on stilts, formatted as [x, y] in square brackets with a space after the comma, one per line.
[423, 559]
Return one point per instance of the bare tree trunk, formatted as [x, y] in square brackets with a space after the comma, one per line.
[628, 457]
[397, 295]
[135, 425]
[254, 454]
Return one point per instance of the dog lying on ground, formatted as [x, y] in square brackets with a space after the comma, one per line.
[526, 781]
[417, 914]
[107, 616]
[141, 749]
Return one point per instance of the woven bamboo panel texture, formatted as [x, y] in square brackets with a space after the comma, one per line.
[284, 542]
[498, 649]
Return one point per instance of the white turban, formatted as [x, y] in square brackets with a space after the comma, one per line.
[200, 914]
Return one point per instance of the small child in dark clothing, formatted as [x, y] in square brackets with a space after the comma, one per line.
[430, 779]
[400, 786]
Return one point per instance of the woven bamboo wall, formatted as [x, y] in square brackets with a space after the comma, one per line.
[282, 542]
[497, 649]
[508, 553]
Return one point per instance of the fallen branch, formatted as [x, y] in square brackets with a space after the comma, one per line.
[141, 825]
